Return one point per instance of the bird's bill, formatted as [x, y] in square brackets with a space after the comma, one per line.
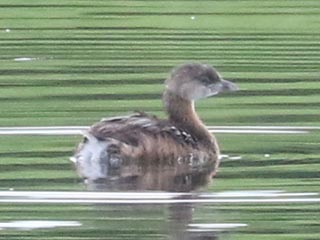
[228, 86]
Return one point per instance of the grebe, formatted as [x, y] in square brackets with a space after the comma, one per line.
[127, 146]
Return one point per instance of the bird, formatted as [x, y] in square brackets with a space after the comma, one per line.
[129, 146]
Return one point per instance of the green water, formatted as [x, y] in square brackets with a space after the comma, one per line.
[74, 62]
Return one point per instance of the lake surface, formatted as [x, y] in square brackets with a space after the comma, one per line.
[65, 65]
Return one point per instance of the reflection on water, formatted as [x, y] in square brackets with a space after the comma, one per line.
[78, 130]
[154, 197]
[173, 215]
[209, 231]
[180, 178]
[22, 59]
[30, 225]
[124, 209]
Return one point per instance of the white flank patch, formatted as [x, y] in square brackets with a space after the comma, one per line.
[88, 159]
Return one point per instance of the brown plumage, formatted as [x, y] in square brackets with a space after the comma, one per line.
[130, 146]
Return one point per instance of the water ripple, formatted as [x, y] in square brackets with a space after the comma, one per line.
[244, 197]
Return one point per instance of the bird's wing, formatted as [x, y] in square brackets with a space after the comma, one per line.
[131, 129]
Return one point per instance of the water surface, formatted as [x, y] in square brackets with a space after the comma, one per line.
[71, 64]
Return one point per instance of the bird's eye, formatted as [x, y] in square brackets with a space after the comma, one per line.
[205, 80]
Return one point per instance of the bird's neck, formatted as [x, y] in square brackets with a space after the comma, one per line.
[182, 114]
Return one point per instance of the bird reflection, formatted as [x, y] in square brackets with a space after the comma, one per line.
[182, 177]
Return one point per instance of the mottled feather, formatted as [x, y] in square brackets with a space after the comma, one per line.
[129, 129]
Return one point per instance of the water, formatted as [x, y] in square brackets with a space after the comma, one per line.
[67, 65]
[263, 192]
[150, 214]
[79, 130]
